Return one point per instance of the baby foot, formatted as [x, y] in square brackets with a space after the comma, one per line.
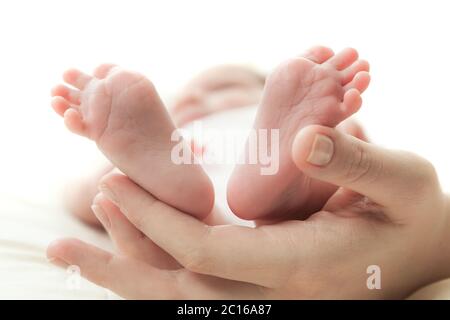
[123, 113]
[318, 88]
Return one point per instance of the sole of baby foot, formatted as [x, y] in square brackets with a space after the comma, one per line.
[122, 112]
[318, 87]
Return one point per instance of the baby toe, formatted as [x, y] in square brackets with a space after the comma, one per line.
[318, 54]
[103, 70]
[74, 121]
[60, 105]
[343, 59]
[349, 73]
[76, 78]
[360, 82]
[67, 93]
[351, 102]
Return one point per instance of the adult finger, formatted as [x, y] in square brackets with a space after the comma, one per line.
[390, 178]
[128, 240]
[255, 255]
[134, 279]
[353, 128]
[122, 275]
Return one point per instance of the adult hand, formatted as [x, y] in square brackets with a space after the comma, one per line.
[389, 212]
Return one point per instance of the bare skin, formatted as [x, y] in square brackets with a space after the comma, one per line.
[389, 211]
[79, 194]
[213, 90]
[386, 199]
[122, 112]
[316, 88]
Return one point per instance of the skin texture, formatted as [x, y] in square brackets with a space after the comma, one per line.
[213, 90]
[79, 194]
[122, 112]
[318, 87]
[388, 211]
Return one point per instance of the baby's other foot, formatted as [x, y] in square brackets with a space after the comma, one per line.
[317, 88]
[123, 113]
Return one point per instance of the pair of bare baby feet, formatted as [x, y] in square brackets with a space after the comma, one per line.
[122, 112]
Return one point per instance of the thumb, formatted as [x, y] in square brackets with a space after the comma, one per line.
[388, 177]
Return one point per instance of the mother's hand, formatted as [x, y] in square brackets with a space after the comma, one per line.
[390, 212]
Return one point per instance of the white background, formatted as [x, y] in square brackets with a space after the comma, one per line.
[407, 43]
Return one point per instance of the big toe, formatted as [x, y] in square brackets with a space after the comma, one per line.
[318, 54]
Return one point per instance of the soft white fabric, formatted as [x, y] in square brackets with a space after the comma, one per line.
[26, 228]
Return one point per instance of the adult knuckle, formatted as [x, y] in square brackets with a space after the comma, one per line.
[137, 214]
[195, 260]
[140, 221]
[198, 257]
[362, 166]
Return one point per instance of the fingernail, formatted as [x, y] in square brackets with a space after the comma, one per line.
[321, 151]
[101, 215]
[109, 194]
